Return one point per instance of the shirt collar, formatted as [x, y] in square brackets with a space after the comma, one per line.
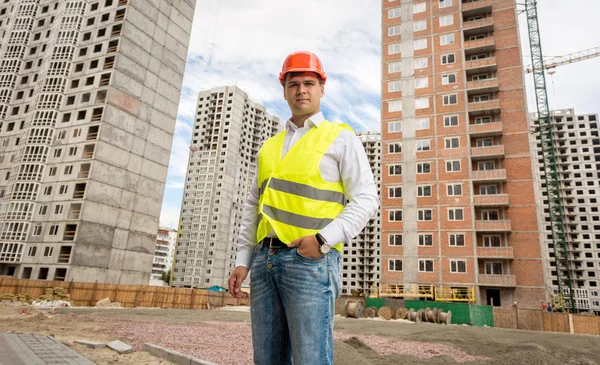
[315, 120]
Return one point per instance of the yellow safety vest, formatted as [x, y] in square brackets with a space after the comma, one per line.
[294, 199]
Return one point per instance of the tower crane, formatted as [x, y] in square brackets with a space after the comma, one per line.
[550, 63]
[559, 239]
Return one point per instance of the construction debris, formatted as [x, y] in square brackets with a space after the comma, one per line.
[52, 294]
[106, 303]
[91, 344]
[15, 297]
[120, 347]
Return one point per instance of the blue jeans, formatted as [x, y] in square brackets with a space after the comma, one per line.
[293, 306]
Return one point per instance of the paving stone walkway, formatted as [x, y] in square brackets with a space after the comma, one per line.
[30, 349]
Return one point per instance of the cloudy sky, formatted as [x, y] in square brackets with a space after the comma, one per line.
[244, 42]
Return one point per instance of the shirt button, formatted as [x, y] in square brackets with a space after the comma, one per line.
[270, 266]
[271, 252]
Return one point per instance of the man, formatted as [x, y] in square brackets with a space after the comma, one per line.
[295, 223]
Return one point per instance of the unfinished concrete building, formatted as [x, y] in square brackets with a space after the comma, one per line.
[361, 259]
[577, 151]
[459, 212]
[89, 91]
[166, 239]
[228, 131]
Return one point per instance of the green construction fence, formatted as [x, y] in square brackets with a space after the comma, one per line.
[462, 313]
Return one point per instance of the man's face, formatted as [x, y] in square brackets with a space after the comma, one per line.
[303, 94]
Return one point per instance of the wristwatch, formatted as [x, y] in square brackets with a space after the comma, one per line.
[323, 246]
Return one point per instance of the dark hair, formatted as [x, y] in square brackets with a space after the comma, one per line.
[293, 74]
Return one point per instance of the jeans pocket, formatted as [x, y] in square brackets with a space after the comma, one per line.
[309, 260]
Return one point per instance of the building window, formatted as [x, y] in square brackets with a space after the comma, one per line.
[419, 8]
[423, 145]
[448, 58]
[395, 240]
[58, 209]
[445, 3]
[37, 230]
[48, 251]
[394, 48]
[394, 106]
[395, 170]
[424, 190]
[395, 192]
[448, 79]
[394, 265]
[420, 43]
[393, 30]
[458, 266]
[454, 189]
[456, 239]
[491, 241]
[421, 123]
[395, 67]
[422, 103]
[488, 189]
[455, 214]
[52, 171]
[425, 214]
[446, 39]
[420, 63]
[32, 251]
[394, 86]
[421, 82]
[446, 20]
[451, 121]
[424, 168]
[490, 215]
[43, 209]
[395, 215]
[453, 166]
[53, 230]
[394, 13]
[425, 265]
[425, 240]
[419, 25]
[395, 147]
[394, 127]
[450, 99]
[453, 142]
[493, 268]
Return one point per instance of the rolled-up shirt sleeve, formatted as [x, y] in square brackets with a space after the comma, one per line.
[247, 236]
[360, 189]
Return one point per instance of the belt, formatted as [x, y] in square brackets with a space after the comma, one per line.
[274, 242]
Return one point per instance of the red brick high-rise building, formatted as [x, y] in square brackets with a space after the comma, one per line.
[458, 204]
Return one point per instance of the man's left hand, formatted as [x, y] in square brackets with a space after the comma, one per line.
[308, 246]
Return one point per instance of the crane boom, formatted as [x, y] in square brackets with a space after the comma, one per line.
[544, 128]
[553, 62]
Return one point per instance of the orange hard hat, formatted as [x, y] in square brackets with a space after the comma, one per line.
[302, 61]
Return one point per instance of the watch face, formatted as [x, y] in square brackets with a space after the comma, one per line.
[325, 249]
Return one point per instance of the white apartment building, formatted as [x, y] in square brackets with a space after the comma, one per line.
[89, 91]
[166, 239]
[577, 151]
[228, 131]
[361, 259]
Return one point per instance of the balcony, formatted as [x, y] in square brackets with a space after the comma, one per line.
[486, 153]
[485, 129]
[495, 252]
[481, 66]
[497, 200]
[472, 8]
[482, 86]
[484, 107]
[498, 175]
[480, 45]
[478, 26]
[497, 280]
[493, 226]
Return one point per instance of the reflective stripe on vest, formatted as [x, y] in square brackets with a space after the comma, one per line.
[294, 200]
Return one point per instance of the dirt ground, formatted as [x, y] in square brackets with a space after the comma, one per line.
[224, 337]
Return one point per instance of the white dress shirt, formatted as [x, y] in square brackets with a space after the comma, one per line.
[345, 161]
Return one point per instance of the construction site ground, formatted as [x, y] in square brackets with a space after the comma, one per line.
[223, 337]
